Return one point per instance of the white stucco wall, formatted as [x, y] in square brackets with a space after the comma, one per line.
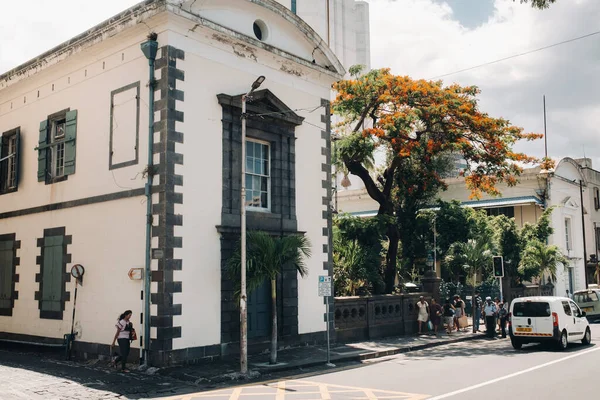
[107, 238]
[206, 59]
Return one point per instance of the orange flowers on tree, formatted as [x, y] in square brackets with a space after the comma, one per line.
[420, 121]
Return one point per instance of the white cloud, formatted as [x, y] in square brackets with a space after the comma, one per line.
[420, 38]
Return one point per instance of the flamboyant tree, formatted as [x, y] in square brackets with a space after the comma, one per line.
[400, 117]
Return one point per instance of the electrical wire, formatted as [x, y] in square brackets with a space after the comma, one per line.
[516, 55]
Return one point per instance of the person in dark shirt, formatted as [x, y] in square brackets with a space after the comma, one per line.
[477, 305]
[448, 316]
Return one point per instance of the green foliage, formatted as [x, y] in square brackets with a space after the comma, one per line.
[266, 255]
[509, 243]
[539, 4]
[540, 259]
[357, 255]
[541, 230]
[475, 256]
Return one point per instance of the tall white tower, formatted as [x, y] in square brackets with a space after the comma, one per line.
[343, 24]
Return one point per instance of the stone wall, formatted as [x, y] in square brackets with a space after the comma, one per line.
[363, 318]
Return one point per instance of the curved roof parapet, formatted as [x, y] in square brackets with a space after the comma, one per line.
[568, 161]
[138, 14]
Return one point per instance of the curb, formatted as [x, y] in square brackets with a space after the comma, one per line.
[219, 379]
[366, 356]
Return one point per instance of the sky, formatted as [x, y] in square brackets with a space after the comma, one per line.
[423, 39]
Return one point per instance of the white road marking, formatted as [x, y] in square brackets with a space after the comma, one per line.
[525, 371]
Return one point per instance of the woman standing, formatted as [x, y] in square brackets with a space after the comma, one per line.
[459, 307]
[423, 315]
[123, 337]
[435, 312]
[449, 315]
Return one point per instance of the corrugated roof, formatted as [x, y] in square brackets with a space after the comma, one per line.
[488, 203]
[503, 202]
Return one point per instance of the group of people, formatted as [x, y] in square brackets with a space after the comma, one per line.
[494, 314]
[451, 314]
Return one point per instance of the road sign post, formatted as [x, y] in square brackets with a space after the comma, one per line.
[325, 290]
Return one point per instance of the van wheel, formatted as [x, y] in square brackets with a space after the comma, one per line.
[587, 338]
[516, 344]
[563, 342]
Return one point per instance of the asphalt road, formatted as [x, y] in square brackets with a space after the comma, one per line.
[485, 369]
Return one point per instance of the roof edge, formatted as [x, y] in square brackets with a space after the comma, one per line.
[131, 14]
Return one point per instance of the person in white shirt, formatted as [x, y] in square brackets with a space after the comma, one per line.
[489, 311]
[423, 315]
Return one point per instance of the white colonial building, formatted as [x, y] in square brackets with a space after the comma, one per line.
[74, 147]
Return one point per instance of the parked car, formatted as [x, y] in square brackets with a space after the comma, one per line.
[589, 302]
[547, 319]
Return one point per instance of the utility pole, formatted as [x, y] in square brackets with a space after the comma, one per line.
[149, 48]
[583, 232]
[243, 297]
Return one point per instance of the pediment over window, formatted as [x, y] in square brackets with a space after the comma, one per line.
[568, 202]
[264, 104]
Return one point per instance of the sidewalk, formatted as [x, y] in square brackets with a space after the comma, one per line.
[313, 356]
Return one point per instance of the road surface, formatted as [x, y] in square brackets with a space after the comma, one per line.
[486, 369]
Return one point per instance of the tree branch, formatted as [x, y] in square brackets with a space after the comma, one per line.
[359, 170]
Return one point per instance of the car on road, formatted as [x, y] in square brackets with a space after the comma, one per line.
[589, 302]
[547, 319]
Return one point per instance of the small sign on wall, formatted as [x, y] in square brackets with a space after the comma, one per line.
[136, 274]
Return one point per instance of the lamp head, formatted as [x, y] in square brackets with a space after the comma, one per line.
[258, 82]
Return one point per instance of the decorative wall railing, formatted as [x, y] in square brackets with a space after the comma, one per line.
[360, 318]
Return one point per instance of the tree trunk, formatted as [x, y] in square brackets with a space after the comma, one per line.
[391, 258]
[273, 358]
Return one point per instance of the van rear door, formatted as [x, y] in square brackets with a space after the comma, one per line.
[531, 317]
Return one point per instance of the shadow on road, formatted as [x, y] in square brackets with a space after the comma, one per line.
[45, 372]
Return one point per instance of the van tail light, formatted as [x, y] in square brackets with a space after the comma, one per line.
[554, 319]
[509, 319]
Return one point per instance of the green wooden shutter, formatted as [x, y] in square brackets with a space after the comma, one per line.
[70, 141]
[42, 151]
[17, 156]
[6, 272]
[52, 274]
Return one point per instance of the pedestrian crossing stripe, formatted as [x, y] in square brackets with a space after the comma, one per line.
[533, 334]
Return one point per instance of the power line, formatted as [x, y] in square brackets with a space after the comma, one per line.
[517, 55]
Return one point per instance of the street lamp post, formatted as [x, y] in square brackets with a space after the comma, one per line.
[243, 297]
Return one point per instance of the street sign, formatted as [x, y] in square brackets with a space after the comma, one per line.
[498, 267]
[77, 271]
[324, 286]
[135, 274]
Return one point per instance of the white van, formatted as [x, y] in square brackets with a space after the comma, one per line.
[547, 319]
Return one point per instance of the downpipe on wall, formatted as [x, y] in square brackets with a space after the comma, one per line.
[149, 48]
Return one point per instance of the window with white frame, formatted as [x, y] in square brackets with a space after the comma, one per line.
[57, 152]
[258, 175]
[9, 161]
[568, 237]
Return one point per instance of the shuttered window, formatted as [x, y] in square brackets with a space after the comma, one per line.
[7, 273]
[9, 161]
[56, 146]
[52, 274]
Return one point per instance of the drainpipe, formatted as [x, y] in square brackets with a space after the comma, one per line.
[149, 48]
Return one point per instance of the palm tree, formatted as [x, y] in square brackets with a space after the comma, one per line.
[474, 255]
[266, 256]
[539, 259]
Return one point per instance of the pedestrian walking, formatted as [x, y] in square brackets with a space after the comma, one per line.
[448, 316]
[124, 335]
[497, 302]
[423, 314]
[459, 307]
[435, 315]
[489, 312]
[503, 317]
[477, 305]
